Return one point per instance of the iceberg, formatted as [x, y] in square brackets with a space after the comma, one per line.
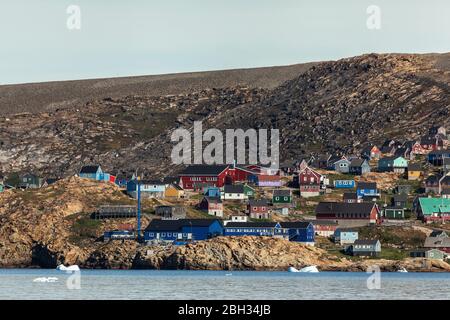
[62, 267]
[45, 279]
[305, 269]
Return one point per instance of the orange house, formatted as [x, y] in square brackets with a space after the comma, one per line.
[174, 191]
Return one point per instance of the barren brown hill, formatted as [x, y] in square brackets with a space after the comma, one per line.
[49, 96]
[332, 107]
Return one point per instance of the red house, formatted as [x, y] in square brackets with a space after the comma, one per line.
[309, 181]
[364, 213]
[258, 209]
[198, 177]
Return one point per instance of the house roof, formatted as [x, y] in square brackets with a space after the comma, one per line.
[436, 233]
[428, 140]
[265, 177]
[152, 182]
[366, 185]
[324, 222]
[440, 152]
[434, 205]
[414, 167]
[213, 199]
[282, 192]
[229, 188]
[343, 207]
[346, 230]
[251, 224]
[295, 224]
[258, 202]
[357, 162]
[400, 197]
[203, 170]
[366, 242]
[437, 242]
[350, 196]
[174, 225]
[89, 169]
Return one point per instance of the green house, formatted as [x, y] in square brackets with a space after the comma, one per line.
[394, 213]
[249, 191]
[281, 196]
[428, 253]
[433, 209]
[394, 164]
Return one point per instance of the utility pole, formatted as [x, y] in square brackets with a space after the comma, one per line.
[138, 182]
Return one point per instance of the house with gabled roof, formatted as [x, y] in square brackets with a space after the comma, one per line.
[365, 248]
[359, 167]
[183, 230]
[233, 192]
[371, 152]
[281, 196]
[213, 206]
[364, 213]
[199, 177]
[433, 209]
[91, 172]
[258, 209]
[393, 164]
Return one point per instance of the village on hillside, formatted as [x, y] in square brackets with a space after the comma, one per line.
[337, 202]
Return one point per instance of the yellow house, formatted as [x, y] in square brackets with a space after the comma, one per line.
[174, 191]
[414, 171]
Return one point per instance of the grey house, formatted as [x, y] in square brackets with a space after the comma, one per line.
[428, 253]
[171, 212]
[342, 165]
[359, 167]
[365, 248]
[30, 181]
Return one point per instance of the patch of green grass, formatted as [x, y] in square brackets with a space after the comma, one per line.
[84, 228]
[393, 254]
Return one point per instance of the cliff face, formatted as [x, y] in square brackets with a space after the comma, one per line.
[336, 106]
[51, 225]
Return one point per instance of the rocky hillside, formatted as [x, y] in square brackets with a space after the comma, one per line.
[331, 107]
[52, 225]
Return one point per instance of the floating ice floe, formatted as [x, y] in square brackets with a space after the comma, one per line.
[45, 279]
[305, 269]
[62, 267]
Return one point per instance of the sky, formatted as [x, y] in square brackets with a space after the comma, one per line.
[143, 37]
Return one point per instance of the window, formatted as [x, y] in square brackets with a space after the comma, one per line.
[163, 234]
[285, 198]
[151, 234]
[277, 198]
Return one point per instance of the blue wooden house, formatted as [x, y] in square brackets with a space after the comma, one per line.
[367, 189]
[300, 231]
[345, 236]
[266, 229]
[149, 188]
[91, 172]
[437, 157]
[344, 184]
[183, 230]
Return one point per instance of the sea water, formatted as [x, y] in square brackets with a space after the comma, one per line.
[222, 285]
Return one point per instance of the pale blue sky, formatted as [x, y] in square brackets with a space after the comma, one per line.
[140, 37]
